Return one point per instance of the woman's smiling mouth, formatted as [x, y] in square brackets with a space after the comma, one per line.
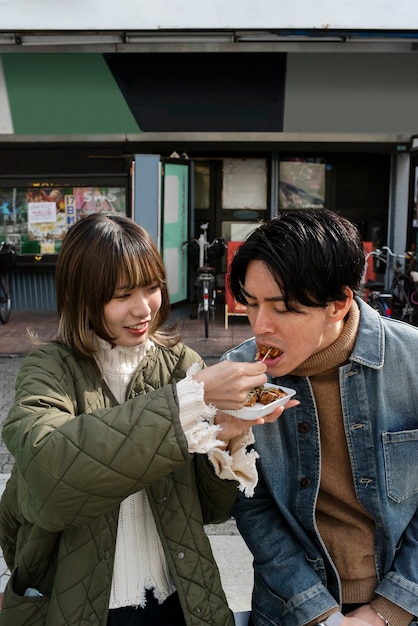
[137, 329]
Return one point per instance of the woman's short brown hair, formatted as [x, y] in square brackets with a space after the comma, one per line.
[99, 253]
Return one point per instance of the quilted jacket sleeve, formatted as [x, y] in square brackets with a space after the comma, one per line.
[77, 455]
[217, 496]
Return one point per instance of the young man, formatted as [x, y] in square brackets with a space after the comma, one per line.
[333, 524]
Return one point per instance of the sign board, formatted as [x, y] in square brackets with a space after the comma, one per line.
[232, 307]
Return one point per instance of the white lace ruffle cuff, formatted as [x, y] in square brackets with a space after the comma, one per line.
[197, 420]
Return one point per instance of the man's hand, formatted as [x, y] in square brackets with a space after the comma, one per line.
[231, 426]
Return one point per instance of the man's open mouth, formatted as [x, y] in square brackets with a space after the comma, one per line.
[264, 352]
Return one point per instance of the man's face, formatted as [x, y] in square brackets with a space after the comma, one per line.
[296, 335]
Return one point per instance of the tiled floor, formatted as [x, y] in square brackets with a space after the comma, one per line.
[15, 340]
[14, 336]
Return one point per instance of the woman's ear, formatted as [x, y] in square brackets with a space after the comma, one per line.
[341, 307]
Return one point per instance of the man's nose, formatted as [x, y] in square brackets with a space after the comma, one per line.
[262, 322]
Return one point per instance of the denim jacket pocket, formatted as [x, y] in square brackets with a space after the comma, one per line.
[401, 451]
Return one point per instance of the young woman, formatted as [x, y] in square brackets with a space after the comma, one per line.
[121, 451]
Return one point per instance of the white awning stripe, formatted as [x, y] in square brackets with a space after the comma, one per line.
[6, 123]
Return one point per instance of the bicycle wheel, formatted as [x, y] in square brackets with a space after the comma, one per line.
[206, 316]
[378, 306]
[206, 306]
[5, 299]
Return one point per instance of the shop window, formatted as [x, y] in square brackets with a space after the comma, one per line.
[302, 183]
[244, 184]
[36, 219]
[202, 185]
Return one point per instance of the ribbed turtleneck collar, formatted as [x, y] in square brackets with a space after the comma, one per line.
[337, 353]
[120, 359]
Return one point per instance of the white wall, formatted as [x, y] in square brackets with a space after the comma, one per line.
[6, 124]
[160, 14]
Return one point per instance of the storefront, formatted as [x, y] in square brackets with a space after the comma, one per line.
[255, 132]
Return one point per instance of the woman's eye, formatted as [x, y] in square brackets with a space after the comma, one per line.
[154, 287]
[120, 295]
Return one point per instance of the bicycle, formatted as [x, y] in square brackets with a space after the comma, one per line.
[7, 261]
[404, 287]
[378, 300]
[204, 256]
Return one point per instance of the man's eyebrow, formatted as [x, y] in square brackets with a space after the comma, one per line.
[273, 299]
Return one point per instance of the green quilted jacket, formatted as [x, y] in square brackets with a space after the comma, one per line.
[78, 454]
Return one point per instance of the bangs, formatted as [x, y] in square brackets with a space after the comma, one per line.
[134, 269]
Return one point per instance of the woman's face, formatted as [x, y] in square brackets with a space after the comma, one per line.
[296, 335]
[129, 313]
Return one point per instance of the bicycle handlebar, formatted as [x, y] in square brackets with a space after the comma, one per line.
[380, 253]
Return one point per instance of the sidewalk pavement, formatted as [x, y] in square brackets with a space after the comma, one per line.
[231, 554]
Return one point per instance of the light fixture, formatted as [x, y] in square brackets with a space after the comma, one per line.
[67, 39]
[388, 39]
[179, 37]
[259, 36]
[7, 39]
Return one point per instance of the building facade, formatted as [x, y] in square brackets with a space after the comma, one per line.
[223, 114]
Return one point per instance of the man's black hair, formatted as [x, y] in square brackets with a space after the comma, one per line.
[312, 254]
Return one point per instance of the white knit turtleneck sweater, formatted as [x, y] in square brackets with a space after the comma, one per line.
[140, 562]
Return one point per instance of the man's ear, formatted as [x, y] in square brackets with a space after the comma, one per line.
[341, 307]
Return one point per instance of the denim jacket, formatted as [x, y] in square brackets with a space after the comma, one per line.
[295, 580]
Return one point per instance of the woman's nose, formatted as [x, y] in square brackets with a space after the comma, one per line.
[140, 304]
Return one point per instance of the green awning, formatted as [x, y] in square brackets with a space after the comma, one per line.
[52, 93]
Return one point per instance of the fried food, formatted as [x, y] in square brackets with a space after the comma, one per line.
[264, 395]
[264, 351]
[252, 397]
[270, 394]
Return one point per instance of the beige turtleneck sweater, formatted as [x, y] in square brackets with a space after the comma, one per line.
[346, 528]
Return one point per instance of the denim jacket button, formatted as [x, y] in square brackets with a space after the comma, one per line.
[305, 482]
[304, 427]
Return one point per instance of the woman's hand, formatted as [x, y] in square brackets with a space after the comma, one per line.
[231, 426]
[228, 383]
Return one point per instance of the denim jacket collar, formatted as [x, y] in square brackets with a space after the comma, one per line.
[369, 349]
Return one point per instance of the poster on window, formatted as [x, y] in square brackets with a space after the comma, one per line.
[47, 222]
[244, 184]
[99, 200]
[36, 219]
[302, 184]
